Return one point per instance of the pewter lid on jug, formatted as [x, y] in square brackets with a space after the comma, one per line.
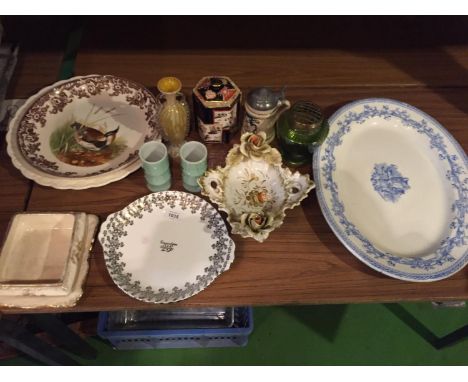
[263, 99]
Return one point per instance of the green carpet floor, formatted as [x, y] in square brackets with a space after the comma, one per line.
[371, 334]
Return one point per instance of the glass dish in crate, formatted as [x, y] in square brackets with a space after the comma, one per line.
[184, 318]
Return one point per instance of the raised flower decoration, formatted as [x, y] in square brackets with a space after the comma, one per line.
[254, 145]
[254, 189]
[257, 223]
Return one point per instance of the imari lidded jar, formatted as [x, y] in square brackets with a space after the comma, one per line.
[216, 103]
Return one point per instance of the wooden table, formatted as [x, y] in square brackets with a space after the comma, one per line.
[33, 71]
[302, 262]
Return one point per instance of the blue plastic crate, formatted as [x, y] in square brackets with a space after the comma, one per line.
[180, 338]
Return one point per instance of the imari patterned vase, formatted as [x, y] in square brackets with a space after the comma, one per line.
[216, 103]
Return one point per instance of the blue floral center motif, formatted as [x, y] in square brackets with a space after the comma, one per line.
[388, 182]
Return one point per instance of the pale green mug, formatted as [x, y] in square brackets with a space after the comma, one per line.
[155, 163]
[193, 160]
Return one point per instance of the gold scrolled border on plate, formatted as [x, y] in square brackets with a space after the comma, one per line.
[114, 228]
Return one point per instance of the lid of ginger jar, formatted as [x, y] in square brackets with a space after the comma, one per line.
[216, 91]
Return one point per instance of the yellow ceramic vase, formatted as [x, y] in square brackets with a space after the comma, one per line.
[174, 118]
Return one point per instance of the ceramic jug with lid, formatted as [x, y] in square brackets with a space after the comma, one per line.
[263, 107]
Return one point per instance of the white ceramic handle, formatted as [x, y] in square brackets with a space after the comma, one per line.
[285, 103]
[212, 185]
[297, 187]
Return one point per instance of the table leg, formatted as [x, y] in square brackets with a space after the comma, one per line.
[452, 338]
[61, 333]
[412, 322]
[21, 339]
[424, 332]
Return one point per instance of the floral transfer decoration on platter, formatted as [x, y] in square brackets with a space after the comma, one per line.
[88, 136]
[388, 182]
[253, 188]
[393, 186]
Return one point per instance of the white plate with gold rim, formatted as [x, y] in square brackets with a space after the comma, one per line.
[166, 246]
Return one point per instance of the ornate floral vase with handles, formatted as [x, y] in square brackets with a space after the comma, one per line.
[254, 189]
[263, 107]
